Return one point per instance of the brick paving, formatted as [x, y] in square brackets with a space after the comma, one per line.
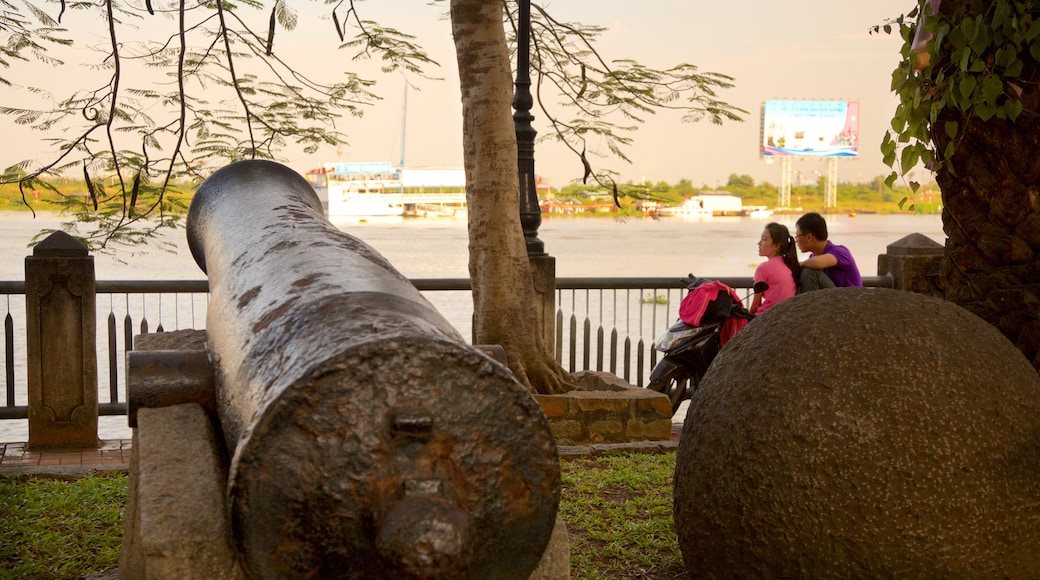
[110, 453]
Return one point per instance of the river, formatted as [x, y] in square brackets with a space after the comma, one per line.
[437, 248]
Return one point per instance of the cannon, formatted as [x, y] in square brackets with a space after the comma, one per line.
[365, 438]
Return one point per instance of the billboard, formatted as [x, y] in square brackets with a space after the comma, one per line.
[810, 129]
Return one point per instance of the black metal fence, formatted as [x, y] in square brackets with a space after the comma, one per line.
[603, 324]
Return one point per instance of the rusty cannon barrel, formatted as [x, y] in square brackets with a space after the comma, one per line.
[366, 438]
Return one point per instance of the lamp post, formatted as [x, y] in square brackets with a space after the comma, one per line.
[530, 212]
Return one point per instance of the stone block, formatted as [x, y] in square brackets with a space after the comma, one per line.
[615, 412]
[649, 430]
[609, 429]
[184, 339]
[567, 430]
[610, 401]
[554, 406]
[651, 406]
[176, 519]
[556, 560]
[600, 381]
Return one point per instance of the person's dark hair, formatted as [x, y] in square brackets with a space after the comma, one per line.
[813, 223]
[780, 235]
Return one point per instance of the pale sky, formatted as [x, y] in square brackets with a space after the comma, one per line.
[796, 49]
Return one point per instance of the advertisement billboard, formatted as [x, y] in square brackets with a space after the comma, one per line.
[810, 129]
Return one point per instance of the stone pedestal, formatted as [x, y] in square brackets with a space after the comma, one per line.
[915, 264]
[607, 410]
[176, 523]
[176, 518]
[60, 339]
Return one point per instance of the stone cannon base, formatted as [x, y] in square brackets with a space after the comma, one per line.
[176, 522]
[607, 410]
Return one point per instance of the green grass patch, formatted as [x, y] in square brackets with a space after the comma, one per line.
[618, 511]
[60, 529]
[652, 298]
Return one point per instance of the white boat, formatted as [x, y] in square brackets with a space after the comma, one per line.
[706, 204]
[374, 189]
[369, 199]
[759, 212]
[690, 208]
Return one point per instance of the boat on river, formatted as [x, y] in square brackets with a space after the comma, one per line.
[758, 211]
[377, 189]
[688, 209]
[705, 204]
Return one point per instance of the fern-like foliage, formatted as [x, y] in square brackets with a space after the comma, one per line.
[201, 89]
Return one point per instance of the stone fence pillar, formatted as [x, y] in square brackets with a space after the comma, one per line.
[544, 273]
[60, 342]
[915, 264]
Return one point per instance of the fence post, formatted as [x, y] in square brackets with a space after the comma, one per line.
[915, 264]
[60, 297]
[543, 270]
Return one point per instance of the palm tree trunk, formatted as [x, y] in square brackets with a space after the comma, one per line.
[991, 215]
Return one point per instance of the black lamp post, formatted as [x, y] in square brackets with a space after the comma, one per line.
[530, 212]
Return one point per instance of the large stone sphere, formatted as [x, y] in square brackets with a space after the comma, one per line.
[862, 433]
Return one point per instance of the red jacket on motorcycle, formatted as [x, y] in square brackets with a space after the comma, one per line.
[713, 303]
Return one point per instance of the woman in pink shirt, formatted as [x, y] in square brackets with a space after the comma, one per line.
[780, 271]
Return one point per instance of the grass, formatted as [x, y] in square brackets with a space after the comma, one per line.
[618, 511]
[650, 298]
[60, 529]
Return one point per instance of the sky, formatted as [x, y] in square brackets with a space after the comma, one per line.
[796, 49]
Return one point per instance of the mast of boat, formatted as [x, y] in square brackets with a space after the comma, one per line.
[404, 121]
[404, 126]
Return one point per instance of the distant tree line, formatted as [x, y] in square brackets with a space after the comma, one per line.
[871, 195]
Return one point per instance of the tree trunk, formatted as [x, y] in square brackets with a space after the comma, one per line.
[991, 214]
[503, 290]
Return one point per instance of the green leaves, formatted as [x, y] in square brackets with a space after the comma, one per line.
[973, 60]
[966, 87]
[181, 100]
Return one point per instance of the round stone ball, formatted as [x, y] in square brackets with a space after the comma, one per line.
[862, 433]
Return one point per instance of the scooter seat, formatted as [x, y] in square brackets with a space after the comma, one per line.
[680, 325]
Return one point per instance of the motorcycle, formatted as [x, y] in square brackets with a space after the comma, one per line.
[709, 314]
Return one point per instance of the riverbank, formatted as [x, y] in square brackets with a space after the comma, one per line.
[850, 199]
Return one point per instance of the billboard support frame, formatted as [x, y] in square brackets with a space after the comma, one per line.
[830, 197]
[785, 183]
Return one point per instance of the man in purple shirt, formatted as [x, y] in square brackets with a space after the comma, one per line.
[831, 259]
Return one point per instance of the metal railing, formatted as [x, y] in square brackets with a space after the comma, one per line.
[610, 322]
